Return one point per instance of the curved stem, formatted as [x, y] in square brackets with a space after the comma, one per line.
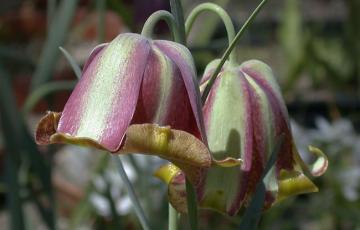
[150, 23]
[173, 217]
[192, 205]
[229, 49]
[134, 200]
[221, 13]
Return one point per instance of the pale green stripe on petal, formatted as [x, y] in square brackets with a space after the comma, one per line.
[226, 139]
[166, 84]
[104, 88]
[267, 116]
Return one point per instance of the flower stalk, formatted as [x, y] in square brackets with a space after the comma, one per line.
[173, 218]
[150, 23]
[134, 200]
[229, 50]
[177, 11]
[221, 13]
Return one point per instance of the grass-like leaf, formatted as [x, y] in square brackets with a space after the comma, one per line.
[44, 90]
[58, 30]
[76, 68]
[20, 146]
[252, 214]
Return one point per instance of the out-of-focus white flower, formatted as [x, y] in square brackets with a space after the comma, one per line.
[351, 178]
[100, 203]
[340, 140]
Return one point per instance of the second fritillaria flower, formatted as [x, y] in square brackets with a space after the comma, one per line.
[135, 96]
[245, 116]
[247, 104]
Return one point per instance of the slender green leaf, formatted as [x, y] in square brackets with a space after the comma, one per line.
[44, 90]
[230, 49]
[59, 28]
[177, 11]
[192, 205]
[101, 9]
[76, 68]
[51, 9]
[20, 145]
[131, 192]
[116, 219]
[252, 214]
[84, 209]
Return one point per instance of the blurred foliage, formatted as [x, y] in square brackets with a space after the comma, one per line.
[319, 57]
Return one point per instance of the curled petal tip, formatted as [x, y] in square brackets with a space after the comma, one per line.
[46, 133]
[167, 172]
[175, 179]
[46, 128]
[320, 165]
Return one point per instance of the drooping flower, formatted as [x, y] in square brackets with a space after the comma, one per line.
[244, 116]
[135, 95]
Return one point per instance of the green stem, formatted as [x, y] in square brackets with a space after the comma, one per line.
[221, 13]
[51, 87]
[192, 205]
[229, 49]
[173, 217]
[59, 28]
[50, 10]
[134, 200]
[177, 11]
[150, 23]
[101, 8]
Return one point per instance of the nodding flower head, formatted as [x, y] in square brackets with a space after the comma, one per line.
[135, 95]
[244, 116]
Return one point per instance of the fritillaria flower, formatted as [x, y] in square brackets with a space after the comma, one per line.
[135, 95]
[245, 115]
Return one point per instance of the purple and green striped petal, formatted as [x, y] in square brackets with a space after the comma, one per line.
[164, 96]
[244, 115]
[93, 54]
[136, 96]
[103, 102]
[182, 57]
[230, 134]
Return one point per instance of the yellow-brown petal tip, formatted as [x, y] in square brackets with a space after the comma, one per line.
[293, 183]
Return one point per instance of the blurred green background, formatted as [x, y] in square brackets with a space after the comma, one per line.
[313, 47]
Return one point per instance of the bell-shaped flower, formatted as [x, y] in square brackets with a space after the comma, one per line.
[245, 115]
[135, 95]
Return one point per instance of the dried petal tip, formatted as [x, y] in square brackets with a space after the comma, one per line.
[46, 128]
